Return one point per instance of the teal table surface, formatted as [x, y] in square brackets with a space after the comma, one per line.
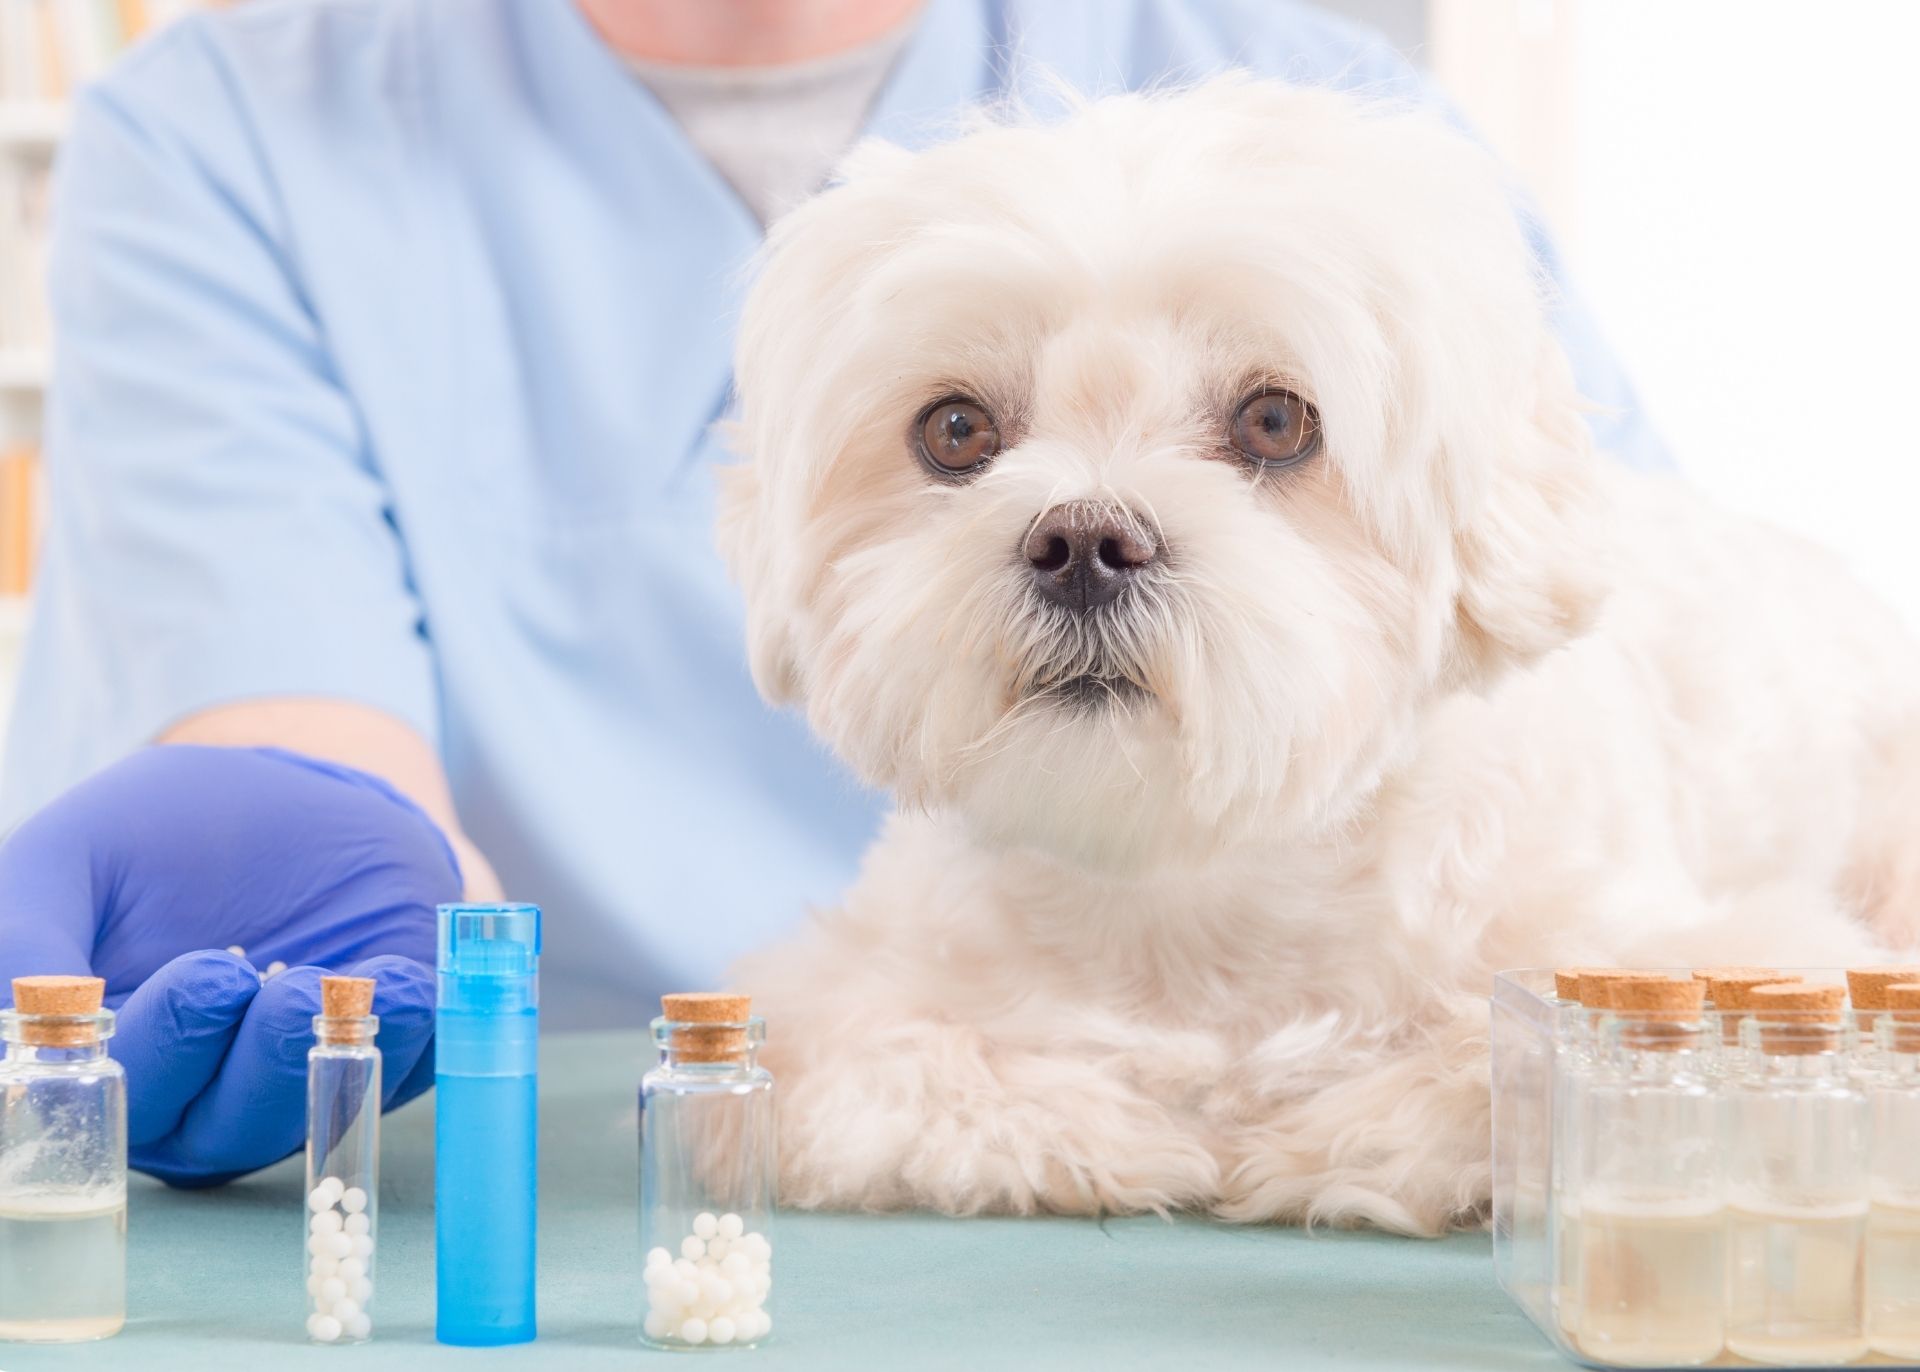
[215, 1277]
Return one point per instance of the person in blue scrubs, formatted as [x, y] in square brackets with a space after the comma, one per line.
[390, 342]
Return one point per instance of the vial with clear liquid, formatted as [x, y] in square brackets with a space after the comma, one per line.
[1652, 1223]
[339, 1219]
[63, 1165]
[707, 1167]
[1797, 1154]
[1893, 1216]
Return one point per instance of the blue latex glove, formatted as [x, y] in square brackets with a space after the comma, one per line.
[175, 850]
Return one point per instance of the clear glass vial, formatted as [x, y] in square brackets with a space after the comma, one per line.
[1797, 1145]
[63, 1166]
[1893, 1217]
[343, 1163]
[1652, 1215]
[707, 1164]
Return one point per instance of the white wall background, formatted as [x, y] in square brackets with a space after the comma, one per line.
[1737, 186]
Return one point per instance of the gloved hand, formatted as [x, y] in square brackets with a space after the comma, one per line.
[177, 849]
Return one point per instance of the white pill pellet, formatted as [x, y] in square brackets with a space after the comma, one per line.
[362, 1289]
[236, 950]
[274, 969]
[737, 1267]
[362, 1245]
[686, 1293]
[331, 1289]
[664, 1299]
[659, 1257]
[693, 1246]
[313, 1284]
[683, 1268]
[716, 1291]
[336, 1245]
[357, 1224]
[323, 1327]
[351, 1269]
[658, 1326]
[318, 1199]
[353, 1200]
[732, 1227]
[694, 1330]
[660, 1274]
[359, 1326]
[333, 1186]
[705, 1225]
[721, 1330]
[345, 1309]
[326, 1222]
[718, 1248]
[325, 1265]
[316, 1244]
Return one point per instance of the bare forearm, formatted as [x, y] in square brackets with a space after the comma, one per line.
[353, 734]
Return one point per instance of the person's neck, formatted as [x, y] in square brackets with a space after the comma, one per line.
[740, 33]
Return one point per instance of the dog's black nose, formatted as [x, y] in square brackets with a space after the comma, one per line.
[1084, 553]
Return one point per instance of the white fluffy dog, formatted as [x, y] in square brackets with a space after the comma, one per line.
[1184, 507]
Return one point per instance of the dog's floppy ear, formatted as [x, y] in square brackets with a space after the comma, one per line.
[742, 537]
[1532, 573]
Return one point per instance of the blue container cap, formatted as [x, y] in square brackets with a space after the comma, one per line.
[489, 957]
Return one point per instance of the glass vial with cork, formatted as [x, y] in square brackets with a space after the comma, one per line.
[1582, 993]
[707, 1176]
[1652, 1211]
[343, 1162]
[1893, 1217]
[1797, 1154]
[1867, 989]
[63, 1165]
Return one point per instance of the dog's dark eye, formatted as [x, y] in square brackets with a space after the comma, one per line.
[1276, 428]
[956, 436]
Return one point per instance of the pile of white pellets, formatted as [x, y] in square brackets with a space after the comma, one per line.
[716, 1290]
[339, 1262]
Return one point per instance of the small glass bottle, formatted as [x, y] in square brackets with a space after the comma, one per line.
[63, 1166]
[1652, 1213]
[1867, 989]
[1893, 1218]
[343, 1162]
[1797, 1155]
[707, 1176]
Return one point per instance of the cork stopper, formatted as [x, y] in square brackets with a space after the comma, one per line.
[1731, 988]
[1869, 987]
[1594, 984]
[1902, 1004]
[346, 1009]
[1710, 975]
[59, 996]
[346, 997]
[1659, 1011]
[1566, 982]
[710, 1026]
[1797, 1019]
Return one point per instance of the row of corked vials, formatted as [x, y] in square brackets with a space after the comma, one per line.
[1736, 1167]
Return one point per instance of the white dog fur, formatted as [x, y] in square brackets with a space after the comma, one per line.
[1455, 695]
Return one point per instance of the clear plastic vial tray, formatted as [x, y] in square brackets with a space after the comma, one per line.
[1691, 1194]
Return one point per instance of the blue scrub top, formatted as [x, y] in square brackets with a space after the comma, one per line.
[390, 336]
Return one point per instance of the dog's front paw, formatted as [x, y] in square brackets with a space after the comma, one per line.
[935, 1118]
